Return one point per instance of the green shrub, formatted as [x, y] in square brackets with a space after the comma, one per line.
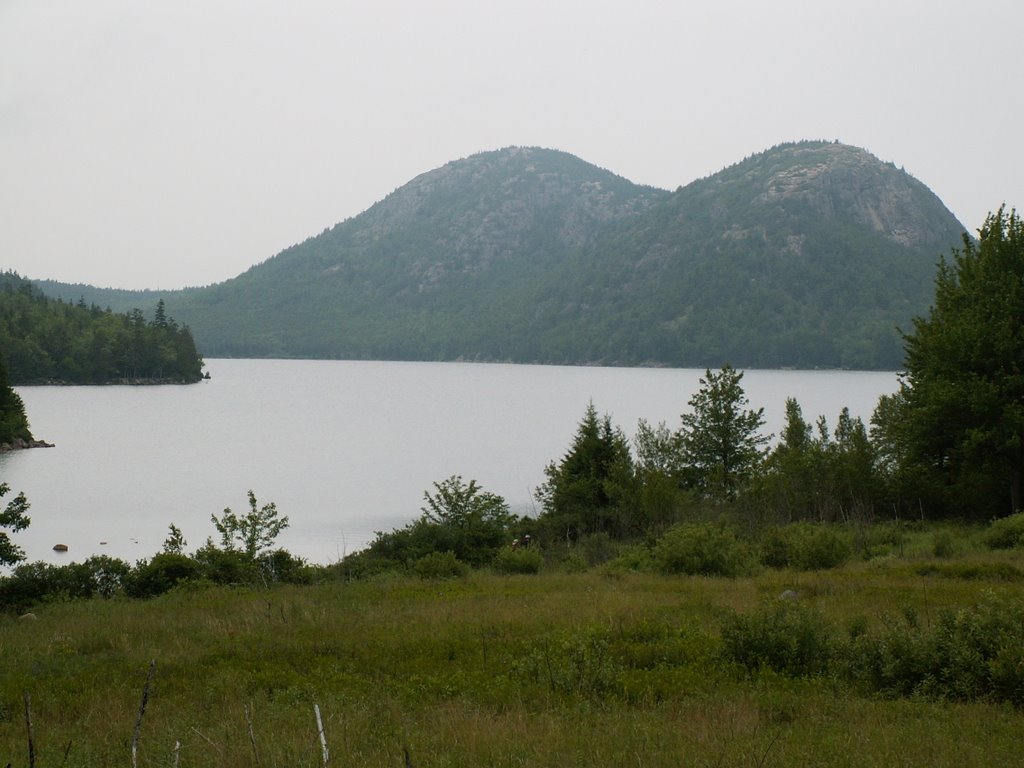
[440, 565]
[785, 637]
[631, 559]
[805, 547]
[32, 583]
[1006, 532]
[702, 549]
[284, 567]
[228, 566]
[160, 574]
[580, 663]
[942, 545]
[969, 654]
[522, 560]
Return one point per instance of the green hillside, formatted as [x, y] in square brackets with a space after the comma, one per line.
[810, 254]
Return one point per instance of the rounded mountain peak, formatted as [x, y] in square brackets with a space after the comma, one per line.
[836, 182]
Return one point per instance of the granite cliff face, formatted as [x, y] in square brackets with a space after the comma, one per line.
[810, 254]
[838, 181]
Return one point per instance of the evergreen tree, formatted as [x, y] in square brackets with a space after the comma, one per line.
[13, 422]
[584, 492]
[964, 409]
[720, 439]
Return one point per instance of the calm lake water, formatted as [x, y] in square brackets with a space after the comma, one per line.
[344, 449]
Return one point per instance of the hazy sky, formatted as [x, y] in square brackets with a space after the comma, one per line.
[161, 144]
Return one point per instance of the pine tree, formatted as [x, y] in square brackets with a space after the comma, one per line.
[582, 492]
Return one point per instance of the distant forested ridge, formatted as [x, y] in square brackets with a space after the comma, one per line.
[812, 254]
[45, 340]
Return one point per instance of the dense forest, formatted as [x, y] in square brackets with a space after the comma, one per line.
[810, 255]
[45, 340]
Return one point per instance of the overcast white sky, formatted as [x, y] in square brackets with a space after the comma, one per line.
[166, 143]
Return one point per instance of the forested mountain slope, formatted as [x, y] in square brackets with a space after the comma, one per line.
[808, 254]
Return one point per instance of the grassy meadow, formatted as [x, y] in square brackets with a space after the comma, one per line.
[600, 667]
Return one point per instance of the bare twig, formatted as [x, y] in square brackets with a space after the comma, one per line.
[768, 748]
[252, 735]
[206, 738]
[320, 731]
[31, 738]
[177, 752]
[142, 711]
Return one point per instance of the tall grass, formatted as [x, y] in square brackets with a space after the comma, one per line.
[602, 668]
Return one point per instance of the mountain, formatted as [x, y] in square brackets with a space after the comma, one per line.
[809, 254]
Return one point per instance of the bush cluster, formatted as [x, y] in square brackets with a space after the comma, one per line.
[785, 637]
[101, 576]
[702, 549]
[1006, 532]
[805, 547]
[971, 653]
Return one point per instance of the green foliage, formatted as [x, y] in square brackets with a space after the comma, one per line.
[14, 517]
[784, 637]
[46, 340]
[822, 476]
[227, 566]
[34, 583]
[943, 545]
[440, 565]
[282, 567]
[526, 560]
[458, 517]
[970, 653]
[13, 421]
[160, 574]
[585, 491]
[476, 521]
[1006, 532]
[175, 542]
[963, 418]
[482, 670]
[721, 447]
[805, 546]
[704, 549]
[251, 533]
[578, 664]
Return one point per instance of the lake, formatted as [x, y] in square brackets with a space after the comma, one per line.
[344, 449]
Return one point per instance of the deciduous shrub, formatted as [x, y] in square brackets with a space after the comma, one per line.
[1006, 532]
[33, 583]
[526, 560]
[160, 574]
[942, 545]
[703, 549]
[440, 565]
[785, 637]
[805, 547]
[970, 653]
